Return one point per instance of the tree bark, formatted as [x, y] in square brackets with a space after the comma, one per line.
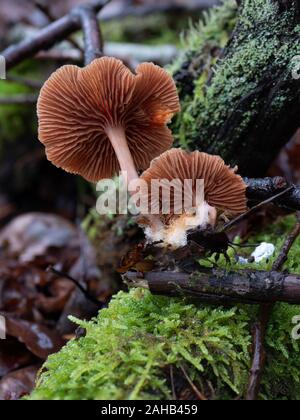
[252, 100]
[222, 287]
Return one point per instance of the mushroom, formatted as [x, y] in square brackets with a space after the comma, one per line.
[224, 193]
[103, 118]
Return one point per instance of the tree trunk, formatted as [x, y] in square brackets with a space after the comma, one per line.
[249, 107]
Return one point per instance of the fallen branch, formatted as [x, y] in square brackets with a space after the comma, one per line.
[93, 42]
[56, 32]
[219, 287]
[44, 8]
[85, 17]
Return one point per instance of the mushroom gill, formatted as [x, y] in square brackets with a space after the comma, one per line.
[224, 192]
[103, 118]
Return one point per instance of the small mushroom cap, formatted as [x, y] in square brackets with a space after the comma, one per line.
[76, 106]
[223, 188]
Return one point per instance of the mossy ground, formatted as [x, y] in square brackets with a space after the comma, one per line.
[129, 348]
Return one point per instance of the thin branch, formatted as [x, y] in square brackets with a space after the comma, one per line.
[199, 395]
[93, 42]
[84, 291]
[44, 8]
[245, 216]
[260, 328]
[49, 36]
[62, 28]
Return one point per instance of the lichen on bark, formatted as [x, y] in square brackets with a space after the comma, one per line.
[241, 102]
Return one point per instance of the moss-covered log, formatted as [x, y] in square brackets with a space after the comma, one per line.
[239, 87]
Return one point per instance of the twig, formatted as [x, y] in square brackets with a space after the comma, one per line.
[260, 328]
[93, 41]
[42, 7]
[85, 292]
[200, 396]
[49, 36]
[255, 208]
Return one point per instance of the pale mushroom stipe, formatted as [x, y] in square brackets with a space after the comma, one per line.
[224, 193]
[103, 118]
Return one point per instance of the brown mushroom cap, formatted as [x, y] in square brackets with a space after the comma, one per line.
[223, 188]
[76, 106]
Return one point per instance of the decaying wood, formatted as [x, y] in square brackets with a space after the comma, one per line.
[251, 130]
[261, 189]
[221, 286]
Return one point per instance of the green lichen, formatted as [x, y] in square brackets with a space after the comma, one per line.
[259, 49]
[129, 348]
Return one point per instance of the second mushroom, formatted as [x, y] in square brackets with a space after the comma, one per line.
[224, 192]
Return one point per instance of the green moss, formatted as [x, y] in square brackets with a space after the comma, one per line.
[129, 348]
[259, 48]
[202, 45]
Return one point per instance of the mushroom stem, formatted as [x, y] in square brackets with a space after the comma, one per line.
[118, 140]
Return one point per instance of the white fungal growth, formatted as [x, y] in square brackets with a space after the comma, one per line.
[175, 234]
